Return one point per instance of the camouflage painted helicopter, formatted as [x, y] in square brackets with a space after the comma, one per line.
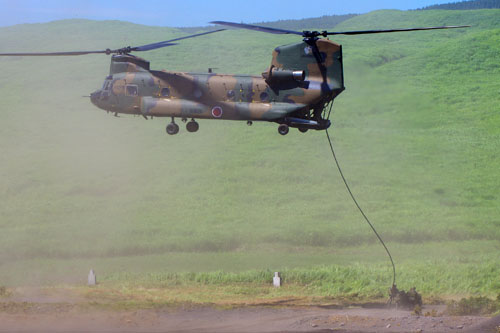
[303, 78]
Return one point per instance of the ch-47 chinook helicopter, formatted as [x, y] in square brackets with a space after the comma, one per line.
[303, 78]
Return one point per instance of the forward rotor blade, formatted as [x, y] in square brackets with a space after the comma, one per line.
[366, 32]
[50, 54]
[123, 50]
[257, 28]
[151, 46]
[165, 43]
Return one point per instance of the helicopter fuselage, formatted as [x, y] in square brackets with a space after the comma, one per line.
[293, 91]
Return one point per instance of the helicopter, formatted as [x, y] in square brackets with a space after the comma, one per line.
[293, 92]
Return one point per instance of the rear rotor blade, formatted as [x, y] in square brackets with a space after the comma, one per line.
[366, 32]
[165, 43]
[314, 34]
[257, 28]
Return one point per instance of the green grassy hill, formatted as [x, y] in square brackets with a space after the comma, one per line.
[417, 132]
[325, 21]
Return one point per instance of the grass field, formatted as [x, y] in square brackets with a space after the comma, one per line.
[417, 132]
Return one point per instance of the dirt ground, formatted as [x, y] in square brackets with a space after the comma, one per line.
[33, 312]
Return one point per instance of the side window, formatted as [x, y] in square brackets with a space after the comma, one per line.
[165, 92]
[131, 90]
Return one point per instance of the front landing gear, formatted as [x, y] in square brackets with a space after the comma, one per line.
[192, 126]
[283, 129]
[172, 128]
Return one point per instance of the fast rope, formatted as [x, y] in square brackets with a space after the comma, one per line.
[357, 205]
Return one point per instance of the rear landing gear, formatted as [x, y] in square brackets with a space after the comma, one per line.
[303, 129]
[192, 126]
[283, 129]
[172, 128]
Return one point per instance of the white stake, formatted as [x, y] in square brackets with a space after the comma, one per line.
[92, 280]
[277, 280]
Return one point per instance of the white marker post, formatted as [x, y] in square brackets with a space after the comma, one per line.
[92, 280]
[277, 280]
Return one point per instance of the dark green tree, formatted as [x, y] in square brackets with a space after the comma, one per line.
[466, 5]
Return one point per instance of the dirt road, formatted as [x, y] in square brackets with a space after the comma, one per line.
[66, 318]
[58, 310]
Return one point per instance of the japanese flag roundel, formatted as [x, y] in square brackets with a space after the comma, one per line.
[217, 111]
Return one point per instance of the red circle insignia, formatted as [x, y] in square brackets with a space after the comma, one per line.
[217, 111]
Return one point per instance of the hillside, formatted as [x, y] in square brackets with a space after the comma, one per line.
[417, 132]
[324, 22]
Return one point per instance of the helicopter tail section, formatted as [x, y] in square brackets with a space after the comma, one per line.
[321, 61]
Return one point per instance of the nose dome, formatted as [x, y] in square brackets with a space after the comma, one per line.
[94, 97]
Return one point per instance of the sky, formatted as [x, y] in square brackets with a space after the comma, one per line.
[185, 13]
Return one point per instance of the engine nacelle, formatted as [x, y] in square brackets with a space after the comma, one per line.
[278, 76]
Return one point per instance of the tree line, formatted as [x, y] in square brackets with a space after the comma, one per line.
[466, 5]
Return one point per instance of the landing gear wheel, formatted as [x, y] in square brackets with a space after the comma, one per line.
[283, 129]
[192, 126]
[172, 128]
[303, 130]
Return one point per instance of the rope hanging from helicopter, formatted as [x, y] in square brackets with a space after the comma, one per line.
[354, 199]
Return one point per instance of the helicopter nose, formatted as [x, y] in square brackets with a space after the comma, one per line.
[94, 97]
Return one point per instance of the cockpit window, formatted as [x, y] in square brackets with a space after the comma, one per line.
[131, 90]
[106, 85]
